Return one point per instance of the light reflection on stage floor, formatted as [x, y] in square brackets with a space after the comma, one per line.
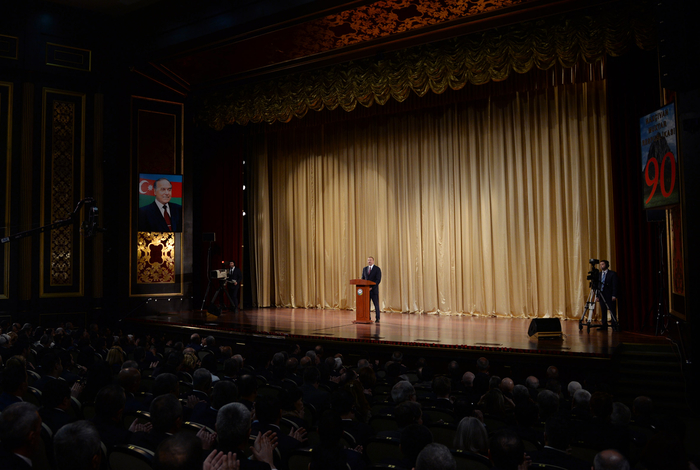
[418, 330]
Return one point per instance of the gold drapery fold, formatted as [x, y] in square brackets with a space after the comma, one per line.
[492, 207]
[477, 59]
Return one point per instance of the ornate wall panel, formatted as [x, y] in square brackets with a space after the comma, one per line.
[68, 57]
[157, 147]
[9, 47]
[6, 93]
[62, 186]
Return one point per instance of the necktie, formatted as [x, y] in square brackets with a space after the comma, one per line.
[602, 281]
[166, 216]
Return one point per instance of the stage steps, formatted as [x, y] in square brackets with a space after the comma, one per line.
[656, 369]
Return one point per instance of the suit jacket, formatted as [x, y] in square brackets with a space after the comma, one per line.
[375, 275]
[10, 461]
[204, 414]
[319, 398]
[609, 287]
[151, 220]
[236, 276]
[7, 399]
[54, 418]
[552, 456]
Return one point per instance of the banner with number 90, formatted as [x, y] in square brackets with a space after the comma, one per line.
[659, 158]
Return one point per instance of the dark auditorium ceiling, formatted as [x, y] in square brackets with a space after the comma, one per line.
[219, 42]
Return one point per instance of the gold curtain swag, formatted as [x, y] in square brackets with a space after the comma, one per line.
[485, 208]
[477, 59]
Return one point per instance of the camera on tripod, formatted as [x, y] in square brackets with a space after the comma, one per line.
[217, 274]
[594, 274]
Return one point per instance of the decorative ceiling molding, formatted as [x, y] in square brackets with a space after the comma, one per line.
[476, 59]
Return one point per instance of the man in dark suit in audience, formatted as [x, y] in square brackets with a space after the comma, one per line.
[557, 437]
[312, 395]
[14, 383]
[130, 380]
[232, 433]
[441, 389]
[109, 409]
[166, 418]
[405, 414]
[481, 378]
[78, 446]
[267, 419]
[181, 451]
[343, 403]
[56, 402]
[20, 436]
[248, 391]
[223, 393]
[506, 450]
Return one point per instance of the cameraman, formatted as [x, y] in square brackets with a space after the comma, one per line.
[608, 290]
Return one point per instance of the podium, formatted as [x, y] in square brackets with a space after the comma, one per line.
[362, 300]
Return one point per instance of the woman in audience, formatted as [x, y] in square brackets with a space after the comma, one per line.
[471, 436]
[115, 359]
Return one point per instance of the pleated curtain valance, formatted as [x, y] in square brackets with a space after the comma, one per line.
[563, 40]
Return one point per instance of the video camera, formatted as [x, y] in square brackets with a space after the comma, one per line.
[217, 274]
[593, 274]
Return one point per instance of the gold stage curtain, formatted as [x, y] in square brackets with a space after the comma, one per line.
[561, 40]
[489, 207]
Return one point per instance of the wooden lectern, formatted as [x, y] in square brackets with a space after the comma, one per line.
[362, 301]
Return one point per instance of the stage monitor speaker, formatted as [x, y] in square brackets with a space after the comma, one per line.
[545, 328]
[209, 237]
[214, 309]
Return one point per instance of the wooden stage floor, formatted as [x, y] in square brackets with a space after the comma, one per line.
[431, 331]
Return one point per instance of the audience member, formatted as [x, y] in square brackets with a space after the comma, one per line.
[471, 436]
[182, 451]
[232, 432]
[613, 460]
[20, 435]
[506, 450]
[435, 457]
[77, 446]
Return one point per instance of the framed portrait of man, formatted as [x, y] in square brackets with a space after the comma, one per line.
[160, 203]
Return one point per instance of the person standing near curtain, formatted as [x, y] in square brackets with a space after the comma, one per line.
[374, 274]
[234, 276]
[608, 290]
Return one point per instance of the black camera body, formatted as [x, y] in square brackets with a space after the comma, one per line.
[594, 274]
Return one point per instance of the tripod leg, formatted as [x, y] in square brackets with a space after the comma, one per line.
[206, 294]
[233, 306]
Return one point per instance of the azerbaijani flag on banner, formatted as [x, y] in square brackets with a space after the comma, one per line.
[146, 187]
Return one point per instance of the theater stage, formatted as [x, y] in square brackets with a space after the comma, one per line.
[406, 330]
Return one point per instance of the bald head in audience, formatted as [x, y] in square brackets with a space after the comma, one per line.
[610, 460]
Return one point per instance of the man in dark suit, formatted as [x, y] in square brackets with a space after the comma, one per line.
[234, 277]
[56, 402]
[20, 435]
[608, 291]
[161, 215]
[557, 437]
[374, 274]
